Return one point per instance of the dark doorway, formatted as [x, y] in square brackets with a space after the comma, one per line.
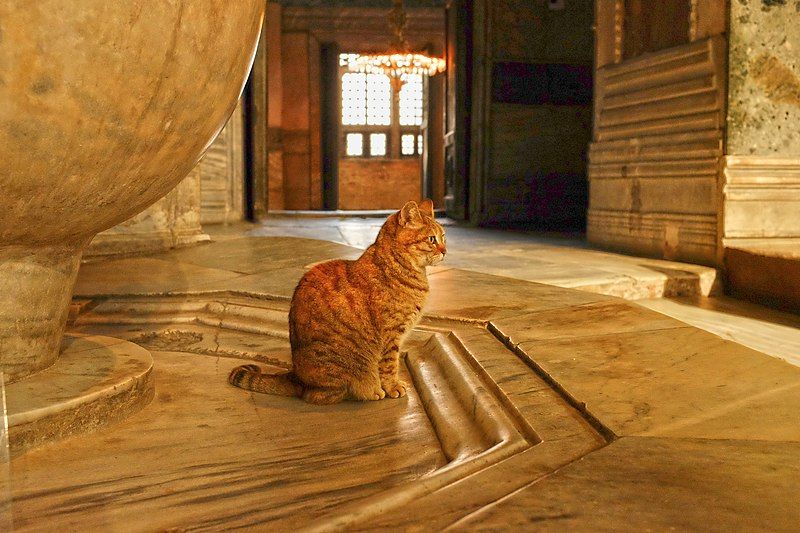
[458, 100]
[519, 113]
[330, 98]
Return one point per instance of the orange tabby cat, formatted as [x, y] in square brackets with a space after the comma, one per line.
[348, 318]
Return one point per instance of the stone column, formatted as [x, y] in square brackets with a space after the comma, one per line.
[760, 183]
[761, 179]
[171, 222]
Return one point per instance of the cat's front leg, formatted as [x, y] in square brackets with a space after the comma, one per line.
[367, 386]
[387, 367]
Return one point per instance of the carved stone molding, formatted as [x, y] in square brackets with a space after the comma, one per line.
[690, 237]
[761, 198]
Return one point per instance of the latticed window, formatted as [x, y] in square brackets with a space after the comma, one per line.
[377, 120]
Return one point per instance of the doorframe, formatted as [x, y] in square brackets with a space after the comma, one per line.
[480, 109]
[330, 103]
[459, 22]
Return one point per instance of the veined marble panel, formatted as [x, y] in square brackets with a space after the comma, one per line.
[222, 175]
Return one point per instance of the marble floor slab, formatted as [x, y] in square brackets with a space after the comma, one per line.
[767, 330]
[678, 381]
[533, 407]
[139, 275]
[648, 484]
[690, 293]
[208, 454]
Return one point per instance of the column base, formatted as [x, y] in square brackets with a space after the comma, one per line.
[95, 381]
[36, 285]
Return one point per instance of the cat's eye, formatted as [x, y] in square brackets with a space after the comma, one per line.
[432, 238]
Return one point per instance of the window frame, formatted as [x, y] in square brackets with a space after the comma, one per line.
[393, 131]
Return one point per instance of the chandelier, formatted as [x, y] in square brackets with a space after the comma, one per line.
[400, 61]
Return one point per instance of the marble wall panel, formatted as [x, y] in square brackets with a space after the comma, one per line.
[764, 96]
[222, 175]
[171, 222]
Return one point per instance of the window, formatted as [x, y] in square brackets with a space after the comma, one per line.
[376, 122]
[411, 101]
[411, 144]
[377, 144]
[354, 144]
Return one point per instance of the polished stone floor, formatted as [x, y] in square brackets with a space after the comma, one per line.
[563, 260]
[690, 293]
[533, 407]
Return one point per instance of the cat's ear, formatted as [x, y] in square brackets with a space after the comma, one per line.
[409, 215]
[426, 207]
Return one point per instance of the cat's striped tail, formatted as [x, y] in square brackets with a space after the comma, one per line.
[249, 377]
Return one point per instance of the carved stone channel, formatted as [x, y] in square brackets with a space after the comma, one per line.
[490, 412]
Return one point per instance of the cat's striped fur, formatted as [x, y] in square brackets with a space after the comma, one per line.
[348, 318]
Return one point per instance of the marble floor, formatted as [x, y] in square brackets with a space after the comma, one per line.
[563, 260]
[532, 407]
[689, 293]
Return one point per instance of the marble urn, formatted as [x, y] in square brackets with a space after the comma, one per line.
[104, 108]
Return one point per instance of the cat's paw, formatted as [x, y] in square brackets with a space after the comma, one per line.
[378, 394]
[368, 392]
[395, 389]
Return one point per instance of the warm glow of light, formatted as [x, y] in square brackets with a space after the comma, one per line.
[395, 65]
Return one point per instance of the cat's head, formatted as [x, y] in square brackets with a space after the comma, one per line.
[418, 235]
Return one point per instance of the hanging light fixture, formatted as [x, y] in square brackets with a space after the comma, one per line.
[400, 61]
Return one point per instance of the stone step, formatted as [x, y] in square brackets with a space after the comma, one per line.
[765, 273]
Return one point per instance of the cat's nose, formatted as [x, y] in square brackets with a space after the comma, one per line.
[442, 249]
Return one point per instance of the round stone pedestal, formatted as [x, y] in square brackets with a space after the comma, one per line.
[96, 380]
